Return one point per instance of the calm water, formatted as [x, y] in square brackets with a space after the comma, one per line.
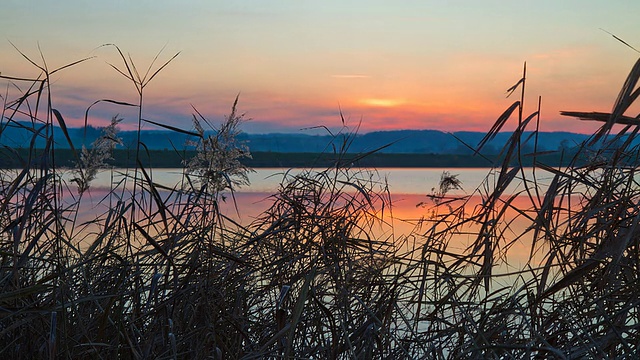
[407, 188]
[267, 180]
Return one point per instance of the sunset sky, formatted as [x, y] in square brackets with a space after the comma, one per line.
[423, 64]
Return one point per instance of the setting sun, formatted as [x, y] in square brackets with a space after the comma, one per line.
[382, 102]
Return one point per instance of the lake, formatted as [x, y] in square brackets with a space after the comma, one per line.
[407, 188]
[267, 180]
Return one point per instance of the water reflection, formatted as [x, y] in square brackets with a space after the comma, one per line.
[407, 190]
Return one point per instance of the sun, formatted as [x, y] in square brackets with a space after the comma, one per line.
[378, 102]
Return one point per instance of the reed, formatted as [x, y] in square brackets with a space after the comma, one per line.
[163, 273]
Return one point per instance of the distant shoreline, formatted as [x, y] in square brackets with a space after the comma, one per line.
[15, 158]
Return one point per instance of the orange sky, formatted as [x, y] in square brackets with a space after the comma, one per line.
[296, 64]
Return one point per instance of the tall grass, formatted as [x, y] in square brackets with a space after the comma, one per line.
[162, 272]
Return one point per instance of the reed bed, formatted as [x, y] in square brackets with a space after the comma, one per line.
[163, 273]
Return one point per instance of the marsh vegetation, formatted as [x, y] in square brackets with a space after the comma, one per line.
[163, 273]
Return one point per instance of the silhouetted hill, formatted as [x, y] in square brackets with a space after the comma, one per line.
[402, 141]
[407, 141]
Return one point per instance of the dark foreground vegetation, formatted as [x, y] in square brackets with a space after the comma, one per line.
[162, 273]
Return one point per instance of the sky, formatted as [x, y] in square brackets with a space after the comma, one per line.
[379, 65]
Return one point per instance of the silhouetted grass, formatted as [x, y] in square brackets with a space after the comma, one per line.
[162, 272]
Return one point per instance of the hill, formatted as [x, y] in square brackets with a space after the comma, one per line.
[20, 135]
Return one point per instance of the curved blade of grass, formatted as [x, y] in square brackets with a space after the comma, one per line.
[172, 128]
[497, 126]
[297, 310]
[26, 57]
[153, 242]
[65, 131]
[628, 94]
[161, 67]
[86, 113]
[162, 208]
[71, 64]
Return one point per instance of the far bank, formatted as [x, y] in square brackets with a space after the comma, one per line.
[18, 158]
